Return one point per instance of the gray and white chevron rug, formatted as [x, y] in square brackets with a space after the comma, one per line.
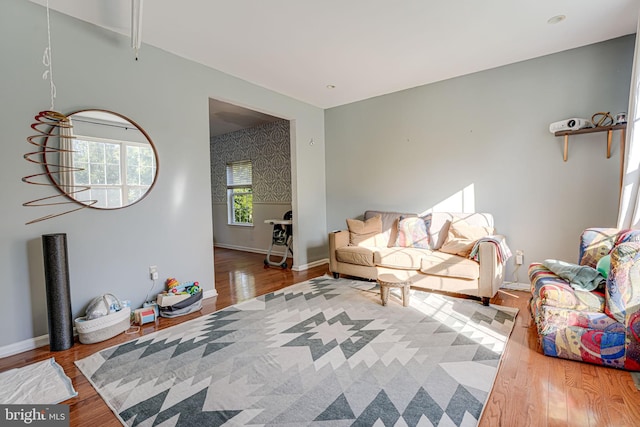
[323, 352]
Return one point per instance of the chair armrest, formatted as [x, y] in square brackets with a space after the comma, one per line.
[622, 294]
[337, 239]
[622, 298]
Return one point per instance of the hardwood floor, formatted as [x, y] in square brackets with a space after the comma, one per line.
[530, 389]
[536, 390]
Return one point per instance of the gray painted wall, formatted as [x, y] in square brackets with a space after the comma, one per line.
[267, 146]
[481, 142]
[110, 251]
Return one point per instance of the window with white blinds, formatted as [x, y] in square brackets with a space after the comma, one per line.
[240, 193]
[239, 174]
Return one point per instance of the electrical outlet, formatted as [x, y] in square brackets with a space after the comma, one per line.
[153, 272]
[519, 257]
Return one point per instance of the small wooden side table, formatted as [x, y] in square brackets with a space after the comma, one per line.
[388, 281]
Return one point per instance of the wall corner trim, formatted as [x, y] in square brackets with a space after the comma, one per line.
[210, 294]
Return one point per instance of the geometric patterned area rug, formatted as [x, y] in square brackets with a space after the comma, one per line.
[323, 352]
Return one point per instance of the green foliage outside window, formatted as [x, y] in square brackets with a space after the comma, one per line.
[116, 171]
[242, 206]
[239, 192]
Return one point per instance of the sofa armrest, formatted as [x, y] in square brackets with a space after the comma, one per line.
[622, 298]
[491, 269]
[622, 295]
[337, 239]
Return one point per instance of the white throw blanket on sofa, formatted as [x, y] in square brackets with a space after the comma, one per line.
[504, 253]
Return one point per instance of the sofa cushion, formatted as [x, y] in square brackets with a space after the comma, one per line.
[584, 336]
[389, 226]
[462, 236]
[549, 289]
[443, 264]
[413, 232]
[440, 222]
[580, 277]
[596, 243]
[402, 258]
[550, 318]
[363, 232]
[359, 255]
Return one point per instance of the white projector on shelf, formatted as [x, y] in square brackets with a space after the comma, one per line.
[570, 124]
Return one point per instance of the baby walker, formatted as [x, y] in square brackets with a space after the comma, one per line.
[282, 236]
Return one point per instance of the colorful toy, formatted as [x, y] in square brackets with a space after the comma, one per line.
[185, 288]
[171, 283]
[144, 315]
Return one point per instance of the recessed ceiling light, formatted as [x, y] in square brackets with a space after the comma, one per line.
[556, 19]
[331, 86]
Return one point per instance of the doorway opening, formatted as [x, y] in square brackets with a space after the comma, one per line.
[250, 179]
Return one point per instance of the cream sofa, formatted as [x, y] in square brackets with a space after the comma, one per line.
[426, 268]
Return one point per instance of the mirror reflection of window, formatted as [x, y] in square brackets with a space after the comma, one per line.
[105, 160]
[118, 172]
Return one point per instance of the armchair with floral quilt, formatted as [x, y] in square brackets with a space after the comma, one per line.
[599, 326]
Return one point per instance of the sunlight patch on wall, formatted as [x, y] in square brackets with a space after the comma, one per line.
[462, 201]
[179, 191]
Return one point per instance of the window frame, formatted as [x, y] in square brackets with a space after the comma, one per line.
[241, 188]
[123, 186]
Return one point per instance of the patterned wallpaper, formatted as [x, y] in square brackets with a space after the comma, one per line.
[268, 148]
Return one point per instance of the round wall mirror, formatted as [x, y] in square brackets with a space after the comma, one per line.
[103, 160]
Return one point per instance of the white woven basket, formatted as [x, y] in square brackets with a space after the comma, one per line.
[103, 328]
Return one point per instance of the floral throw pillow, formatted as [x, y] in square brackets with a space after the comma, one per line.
[413, 232]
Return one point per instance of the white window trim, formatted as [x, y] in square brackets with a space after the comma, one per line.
[230, 193]
[123, 186]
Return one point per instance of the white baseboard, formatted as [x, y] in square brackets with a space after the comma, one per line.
[311, 265]
[246, 249]
[33, 343]
[275, 254]
[210, 294]
[515, 286]
[26, 345]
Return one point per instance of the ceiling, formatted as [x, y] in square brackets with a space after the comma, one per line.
[333, 52]
[226, 118]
